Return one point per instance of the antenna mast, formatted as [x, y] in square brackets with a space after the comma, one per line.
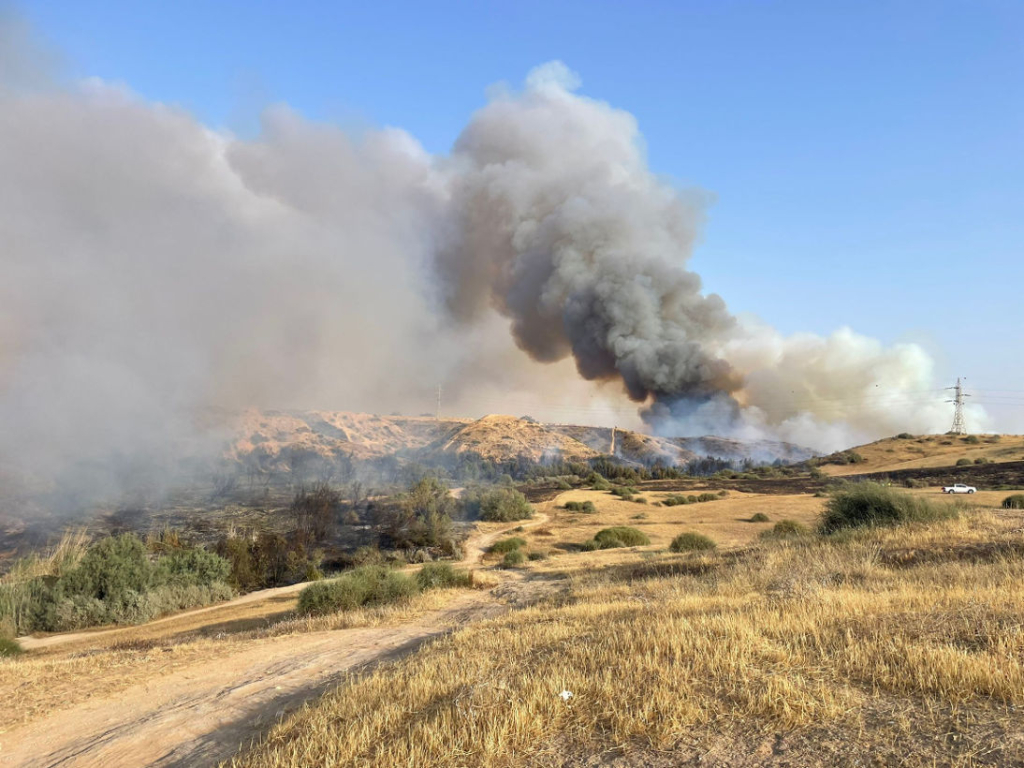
[959, 427]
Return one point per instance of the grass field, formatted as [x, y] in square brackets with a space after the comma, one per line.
[905, 644]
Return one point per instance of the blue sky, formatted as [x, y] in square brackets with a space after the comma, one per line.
[866, 158]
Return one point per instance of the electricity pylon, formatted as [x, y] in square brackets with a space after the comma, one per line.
[959, 427]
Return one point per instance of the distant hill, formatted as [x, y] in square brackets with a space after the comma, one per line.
[272, 436]
[925, 451]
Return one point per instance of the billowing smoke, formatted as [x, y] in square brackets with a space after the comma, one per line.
[155, 269]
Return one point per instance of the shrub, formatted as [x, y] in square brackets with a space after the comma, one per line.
[963, 462]
[707, 497]
[580, 506]
[624, 493]
[760, 517]
[563, 486]
[598, 482]
[639, 500]
[508, 545]
[972, 440]
[369, 585]
[904, 436]
[691, 542]
[442, 576]
[786, 528]
[513, 559]
[674, 501]
[870, 504]
[982, 460]
[538, 556]
[1016, 501]
[504, 505]
[621, 536]
[590, 545]
[9, 647]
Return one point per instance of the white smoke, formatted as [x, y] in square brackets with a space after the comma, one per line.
[154, 268]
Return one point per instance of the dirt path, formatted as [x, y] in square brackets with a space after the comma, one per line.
[202, 714]
[475, 546]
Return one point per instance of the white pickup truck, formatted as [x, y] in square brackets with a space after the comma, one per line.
[959, 488]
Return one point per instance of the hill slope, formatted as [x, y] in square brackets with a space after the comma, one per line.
[924, 451]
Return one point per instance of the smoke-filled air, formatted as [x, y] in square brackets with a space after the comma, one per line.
[156, 269]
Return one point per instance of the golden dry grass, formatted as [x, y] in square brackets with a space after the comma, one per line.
[669, 655]
[924, 451]
[725, 520]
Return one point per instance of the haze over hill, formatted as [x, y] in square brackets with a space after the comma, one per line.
[271, 437]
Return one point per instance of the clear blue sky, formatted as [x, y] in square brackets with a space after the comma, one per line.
[867, 158]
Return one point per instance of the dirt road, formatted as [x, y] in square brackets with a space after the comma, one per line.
[202, 714]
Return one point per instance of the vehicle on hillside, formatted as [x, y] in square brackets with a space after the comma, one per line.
[959, 488]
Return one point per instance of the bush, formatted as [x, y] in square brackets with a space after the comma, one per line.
[514, 559]
[508, 545]
[538, 556]
[786, 528]
[982, 460]
[760, 517]
[871, 504]
[366, 586]
[707, 497]
[904, 436]
[580, 506]
[504, 505]
[589, 546]
[621, 536]
[639, 500]
[624, 493]
[963, 462]
[9, 647]
[674, 501]
[442, 576]
[1016, 501]
[598, 482]
[691, 542]
[972, 440]
[563, 486]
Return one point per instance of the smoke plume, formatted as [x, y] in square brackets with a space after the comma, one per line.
[155, 269]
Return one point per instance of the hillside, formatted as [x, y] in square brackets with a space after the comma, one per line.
[276, 436]
[926, 451]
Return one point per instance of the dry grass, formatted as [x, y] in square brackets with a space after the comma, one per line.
[726, 520]
[916, 665]
[929, 451]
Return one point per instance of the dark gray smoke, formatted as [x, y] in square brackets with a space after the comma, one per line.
[561, 227]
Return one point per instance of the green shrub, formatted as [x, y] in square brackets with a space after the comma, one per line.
[963, 462]
[760, 517]
[691, 499]
[639, 500]
[365, 586]
[982, 460]
[972, 440]
[904, 436]
[508, 545]
[871, 504]
[620, 536]
[598, 482]
[674, 501]
[691, 542]
[787, 528]
[9, 647]
[514, 559]
[624, 493]
[442, 576]
[1016, 501]
[504, 505]
[538, 556]
[580, 506]
[589, 546]
[707, 497]
[563, 486]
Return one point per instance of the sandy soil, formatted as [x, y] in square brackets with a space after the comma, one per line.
[202, 714]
